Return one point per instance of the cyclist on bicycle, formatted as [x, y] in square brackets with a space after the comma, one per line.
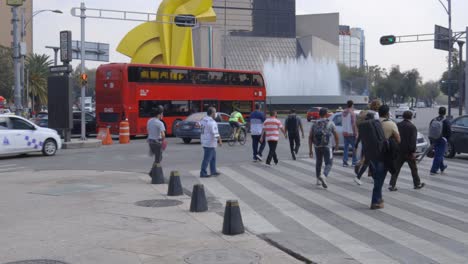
[236, 121]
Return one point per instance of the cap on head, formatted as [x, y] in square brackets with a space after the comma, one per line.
[323, 111]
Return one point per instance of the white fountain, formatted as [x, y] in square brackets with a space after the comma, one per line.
[302, 77]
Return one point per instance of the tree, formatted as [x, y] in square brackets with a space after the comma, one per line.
[38, 66]
[428, 92]
[353, 79]
[6, 72]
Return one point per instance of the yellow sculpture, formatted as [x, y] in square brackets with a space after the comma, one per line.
[163, 42]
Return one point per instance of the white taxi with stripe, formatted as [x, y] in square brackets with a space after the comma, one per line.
[18, 135]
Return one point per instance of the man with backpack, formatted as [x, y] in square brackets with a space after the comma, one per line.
[379, 139]
[349, 132]
[440, 131]
[321, 136]
[292, 125]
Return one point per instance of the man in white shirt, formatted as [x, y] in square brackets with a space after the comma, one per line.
[156, 135]
[209, 140]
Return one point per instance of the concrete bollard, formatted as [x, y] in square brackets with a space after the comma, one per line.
[198, 203]
[175, 186]
[157, 175]
[232, 224]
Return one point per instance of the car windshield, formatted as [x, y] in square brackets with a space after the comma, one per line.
[195, 117]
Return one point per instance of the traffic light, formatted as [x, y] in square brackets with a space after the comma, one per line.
[84, 78]
[388, 40]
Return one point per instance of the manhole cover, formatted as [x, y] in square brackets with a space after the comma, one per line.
[37, 261]
[158, 203]
[223, 256]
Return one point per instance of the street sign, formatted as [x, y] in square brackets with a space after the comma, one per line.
[60, 69]
[15, 2]
[94, 51]
[65, 46]
[185, 20]
[388, 40]
[441, 38]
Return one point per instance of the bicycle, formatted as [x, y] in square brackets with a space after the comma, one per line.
[242, 139]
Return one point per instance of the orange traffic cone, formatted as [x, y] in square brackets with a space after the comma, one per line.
[124, 132]
[107, 140]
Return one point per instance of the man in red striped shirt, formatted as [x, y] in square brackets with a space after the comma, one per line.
[271, 129]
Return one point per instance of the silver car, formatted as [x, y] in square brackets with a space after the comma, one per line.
[422, 143]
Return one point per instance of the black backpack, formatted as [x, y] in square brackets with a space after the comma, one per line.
[373, 139]
[321, 133]
[291, 124]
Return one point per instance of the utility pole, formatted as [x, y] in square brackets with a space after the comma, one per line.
[461, 93]
[83, 86]
[16, 60]
[56, 49]
[450, 59]
[466, 72]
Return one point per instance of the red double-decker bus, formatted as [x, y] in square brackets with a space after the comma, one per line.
[134, 91]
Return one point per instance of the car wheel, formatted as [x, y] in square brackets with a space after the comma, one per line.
[187, 140]
[49, 148]
[450, 151]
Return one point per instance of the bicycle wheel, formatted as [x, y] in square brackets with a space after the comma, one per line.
[242, 137]
[231, 140]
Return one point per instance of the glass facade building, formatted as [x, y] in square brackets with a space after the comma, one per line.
[352, 47]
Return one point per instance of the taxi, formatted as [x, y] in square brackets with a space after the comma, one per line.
[19, 136]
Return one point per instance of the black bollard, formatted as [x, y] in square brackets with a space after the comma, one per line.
[157, 175]
[232, 224]
[198, 203]
[175, 186]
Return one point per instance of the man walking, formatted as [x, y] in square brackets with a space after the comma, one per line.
[256, 126]
[271, 129]
[408, 135]
[292, 125]
[156, 136]
[209, 139]
[349, 132]
[440, 131]
[320, 136]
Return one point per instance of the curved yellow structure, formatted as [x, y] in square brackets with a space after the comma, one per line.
[163, 42]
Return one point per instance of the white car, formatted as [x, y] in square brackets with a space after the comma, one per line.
[19, 135]
[422, 143]
[400, 110]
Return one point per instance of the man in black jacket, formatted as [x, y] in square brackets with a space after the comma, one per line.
[408, 135]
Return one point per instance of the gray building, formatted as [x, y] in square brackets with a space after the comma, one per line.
[352, 47]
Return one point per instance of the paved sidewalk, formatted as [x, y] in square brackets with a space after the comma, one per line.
[91, 217]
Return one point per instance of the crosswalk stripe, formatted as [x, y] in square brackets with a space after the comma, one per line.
[451, 165]
[409, 183]
[419, 245]
[353, 247]
[7, 165]
[433, 226]
[432, 183]
[12, 169]
[443, 177]
[253, 221]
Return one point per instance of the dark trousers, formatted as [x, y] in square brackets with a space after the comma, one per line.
[294, 142]
[411, 163]
[323, 154]
[156, 150]
[439, 151]
[366, 164]
[379, 174]
[255, 148]
[272, 153]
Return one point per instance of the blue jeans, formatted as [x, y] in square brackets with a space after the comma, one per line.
[208, 157]
[349, 141]
[323, 154]
[379, 174]
[439, 151]
[256, 150]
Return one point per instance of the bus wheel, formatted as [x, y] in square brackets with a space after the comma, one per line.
[187, 140]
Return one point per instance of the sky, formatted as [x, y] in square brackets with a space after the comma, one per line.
[376, 17]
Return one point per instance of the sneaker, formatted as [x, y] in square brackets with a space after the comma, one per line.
[319, 183]
[433, 173]
[255, 160]
[324, 183]
[296, 151]
[205, 176]
[293, 156]
[345, 164]
[259, 157]
[443, 169]
[216, 174]
[392, 188]
[420, 186]
[377, 206]
[357, 180]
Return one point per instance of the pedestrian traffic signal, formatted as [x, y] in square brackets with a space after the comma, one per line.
[84, 78]
[388, 40]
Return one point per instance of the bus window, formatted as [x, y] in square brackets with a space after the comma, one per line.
[257, 80]
[244, 107]
[234, 79]
[179, 76]
[246, 79]
[215, 77]
[194, 106]
[171, 108]
[210, 103]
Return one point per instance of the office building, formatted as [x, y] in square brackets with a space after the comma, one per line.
[352, 46]
[6, 27]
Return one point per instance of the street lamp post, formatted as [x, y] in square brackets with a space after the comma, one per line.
[461, 93]
[24, 24]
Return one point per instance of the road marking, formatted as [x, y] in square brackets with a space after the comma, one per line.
[7, 165]
[408, 240]
[12, 169]
[252, 220]
[348, 244]
[438, 228]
